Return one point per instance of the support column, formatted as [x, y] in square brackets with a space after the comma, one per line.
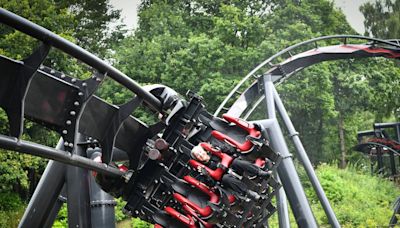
[46, 194]
[78, 193]
[282, 207]
[301, 152]
[286, 170]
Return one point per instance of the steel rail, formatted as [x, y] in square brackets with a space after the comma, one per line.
[52, 39]
[12, 143]
[288, 49]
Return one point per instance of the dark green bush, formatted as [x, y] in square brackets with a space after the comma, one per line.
[9, 201]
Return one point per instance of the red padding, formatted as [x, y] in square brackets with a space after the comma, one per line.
[191, 212]
[206, 211]
[226, 160]
[215, 174]
[260, 162]
[214, 198]
[250, 128]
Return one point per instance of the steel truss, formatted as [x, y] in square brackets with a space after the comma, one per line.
[68, 106]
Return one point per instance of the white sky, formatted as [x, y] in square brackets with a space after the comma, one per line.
[349, 7]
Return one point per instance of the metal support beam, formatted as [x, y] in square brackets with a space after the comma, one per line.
[78, 194]
[102, 206]
[282, 207]
[305, 161]
[46, 194]
[56, 208]
[286, 170]
[283, 212]
[11, 143]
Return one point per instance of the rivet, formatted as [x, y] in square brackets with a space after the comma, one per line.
[52, 71]
[68, 122]
[73, 80]
[71, 145]
[41, 67]
[84, 84]
[65, 132]
[65, 143]
[76, 103]
[80, 94]
[62, 75]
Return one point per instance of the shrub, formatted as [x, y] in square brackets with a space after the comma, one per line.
[9, 201]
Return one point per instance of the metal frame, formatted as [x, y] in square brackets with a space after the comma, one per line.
[264, 77]
[72, 152]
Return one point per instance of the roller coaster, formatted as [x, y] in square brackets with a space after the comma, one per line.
[104, 151]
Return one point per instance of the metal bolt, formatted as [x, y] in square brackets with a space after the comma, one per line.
[68, 122]
[52, 72]
[73, 80]
[71, 145]
[41, 67]
[156, 181]
[65, 143]
[98, 79]
[84, 84]
[65, 132]
[80, 94]
[76, 103]
[62, 75]
[72, 113]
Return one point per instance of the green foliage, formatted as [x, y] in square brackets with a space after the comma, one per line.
[11, 218]
[9, 201]
[62, 217]
[137, 223]
[382, 18]
[357, 198]
[119, 215]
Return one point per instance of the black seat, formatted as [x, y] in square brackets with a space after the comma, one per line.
[164, 219]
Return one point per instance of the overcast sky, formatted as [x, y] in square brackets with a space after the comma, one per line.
[349, 7]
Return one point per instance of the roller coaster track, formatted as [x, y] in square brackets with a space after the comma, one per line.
[242, 95]
[154, 182]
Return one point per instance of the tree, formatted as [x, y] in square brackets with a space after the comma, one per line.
[382, 18]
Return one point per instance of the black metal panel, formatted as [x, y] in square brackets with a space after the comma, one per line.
[113, 126]
[49, 101]
[131, 136]
[54, 40]
[15, 82]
